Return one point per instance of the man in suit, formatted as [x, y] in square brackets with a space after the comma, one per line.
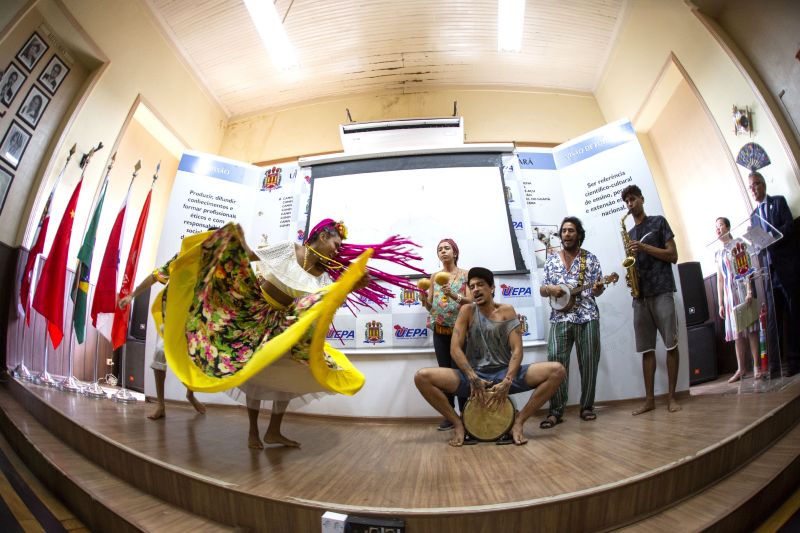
[783, 260]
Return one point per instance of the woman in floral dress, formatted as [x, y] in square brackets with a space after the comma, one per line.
[260, 336]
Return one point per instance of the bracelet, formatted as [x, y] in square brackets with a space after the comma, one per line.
[459, 298]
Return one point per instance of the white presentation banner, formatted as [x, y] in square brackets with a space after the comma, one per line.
[584, 177]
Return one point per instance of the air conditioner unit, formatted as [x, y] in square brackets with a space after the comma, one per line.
[371, 137]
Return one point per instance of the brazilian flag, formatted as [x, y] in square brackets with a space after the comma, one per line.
[80, 289]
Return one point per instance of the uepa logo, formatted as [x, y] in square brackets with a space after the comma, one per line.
[523, 325]
[373, 332]
[341, 334]
[272, 179]
[408, 297]
[510, 291]
[402, 332]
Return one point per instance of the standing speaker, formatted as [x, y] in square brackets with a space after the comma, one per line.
[702, 356]
[694, 293]
[137, 329]
[134, 365]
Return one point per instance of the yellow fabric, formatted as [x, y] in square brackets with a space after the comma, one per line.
[180, 292]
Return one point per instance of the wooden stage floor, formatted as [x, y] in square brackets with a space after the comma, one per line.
[401, 467]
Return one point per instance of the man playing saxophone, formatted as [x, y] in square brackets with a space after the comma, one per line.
[651, 242]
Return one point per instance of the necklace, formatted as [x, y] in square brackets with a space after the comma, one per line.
[327, 261]
[305, 258]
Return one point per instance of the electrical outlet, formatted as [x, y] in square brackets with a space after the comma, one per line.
[109, 361]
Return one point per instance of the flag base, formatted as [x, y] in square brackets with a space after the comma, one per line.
[94, 390]
[124, 396]
[44, 378]
[70, 384]
[21, 372]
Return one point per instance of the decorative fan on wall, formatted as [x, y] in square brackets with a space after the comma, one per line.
[753, 157]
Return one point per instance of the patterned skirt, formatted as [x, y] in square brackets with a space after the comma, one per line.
[221, 331]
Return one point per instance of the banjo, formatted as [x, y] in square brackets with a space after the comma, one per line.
[566, 301]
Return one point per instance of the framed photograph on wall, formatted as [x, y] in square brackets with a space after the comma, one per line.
[10, 84]
[32, 51]
[6, 178]
[15, 141]
[33, 106]
[53, 74]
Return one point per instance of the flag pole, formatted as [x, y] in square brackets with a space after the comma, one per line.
[69, 383]
[33, 256]
[97, 390]
[94, 390]
[123, 394]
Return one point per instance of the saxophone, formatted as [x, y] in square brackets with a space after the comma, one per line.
[629, 263]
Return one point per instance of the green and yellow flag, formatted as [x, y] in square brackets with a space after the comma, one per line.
[80, 289]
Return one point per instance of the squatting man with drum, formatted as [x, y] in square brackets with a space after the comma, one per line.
[491, 368]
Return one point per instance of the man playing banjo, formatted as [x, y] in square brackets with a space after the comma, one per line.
[491, 368]
[572, 280]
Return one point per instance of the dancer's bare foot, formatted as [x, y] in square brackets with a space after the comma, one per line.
[277, 438]
[458, 436]
[736, 377]
[649, 405]
[673, 406]
[253, 442]
[517, 435]
[197, 404]
[158, 412]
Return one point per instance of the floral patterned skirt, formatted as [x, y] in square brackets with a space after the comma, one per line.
[220, 331]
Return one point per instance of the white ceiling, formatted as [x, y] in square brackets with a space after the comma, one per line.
[348, 47]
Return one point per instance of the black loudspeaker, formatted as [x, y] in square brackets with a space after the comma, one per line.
[137, 329]
[134, 365]
[702, 356]
[694, 293]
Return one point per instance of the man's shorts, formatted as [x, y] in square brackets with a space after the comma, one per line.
[159, 360]
[651, 314]
[494, 376]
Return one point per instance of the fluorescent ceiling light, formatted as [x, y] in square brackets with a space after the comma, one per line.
[272, 33]
[510, 20]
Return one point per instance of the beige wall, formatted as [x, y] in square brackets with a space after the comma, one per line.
[655, 28]
[138, 144]
[489, 116]
[697, 176]
[140, 62]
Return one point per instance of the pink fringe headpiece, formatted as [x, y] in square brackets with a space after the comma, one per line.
[395, 249]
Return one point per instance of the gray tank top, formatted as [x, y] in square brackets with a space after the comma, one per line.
[487, 341]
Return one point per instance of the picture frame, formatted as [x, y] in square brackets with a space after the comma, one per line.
[32, 52]
[742, 120]
[14, 143]
[6, 177]
[11, 82]
[53, 74]
[33, 106]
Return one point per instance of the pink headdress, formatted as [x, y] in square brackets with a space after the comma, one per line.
[395, 249]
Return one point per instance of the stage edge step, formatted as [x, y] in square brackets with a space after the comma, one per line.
[102, 501]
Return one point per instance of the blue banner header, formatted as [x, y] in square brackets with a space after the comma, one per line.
[212, 168]
[609, 137]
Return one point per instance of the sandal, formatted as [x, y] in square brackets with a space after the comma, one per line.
[504, 439]
[550, 422]
[588, 414]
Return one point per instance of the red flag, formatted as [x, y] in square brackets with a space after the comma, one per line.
[38, 248]
[105, 293]
[49, 297]
[119, 330]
